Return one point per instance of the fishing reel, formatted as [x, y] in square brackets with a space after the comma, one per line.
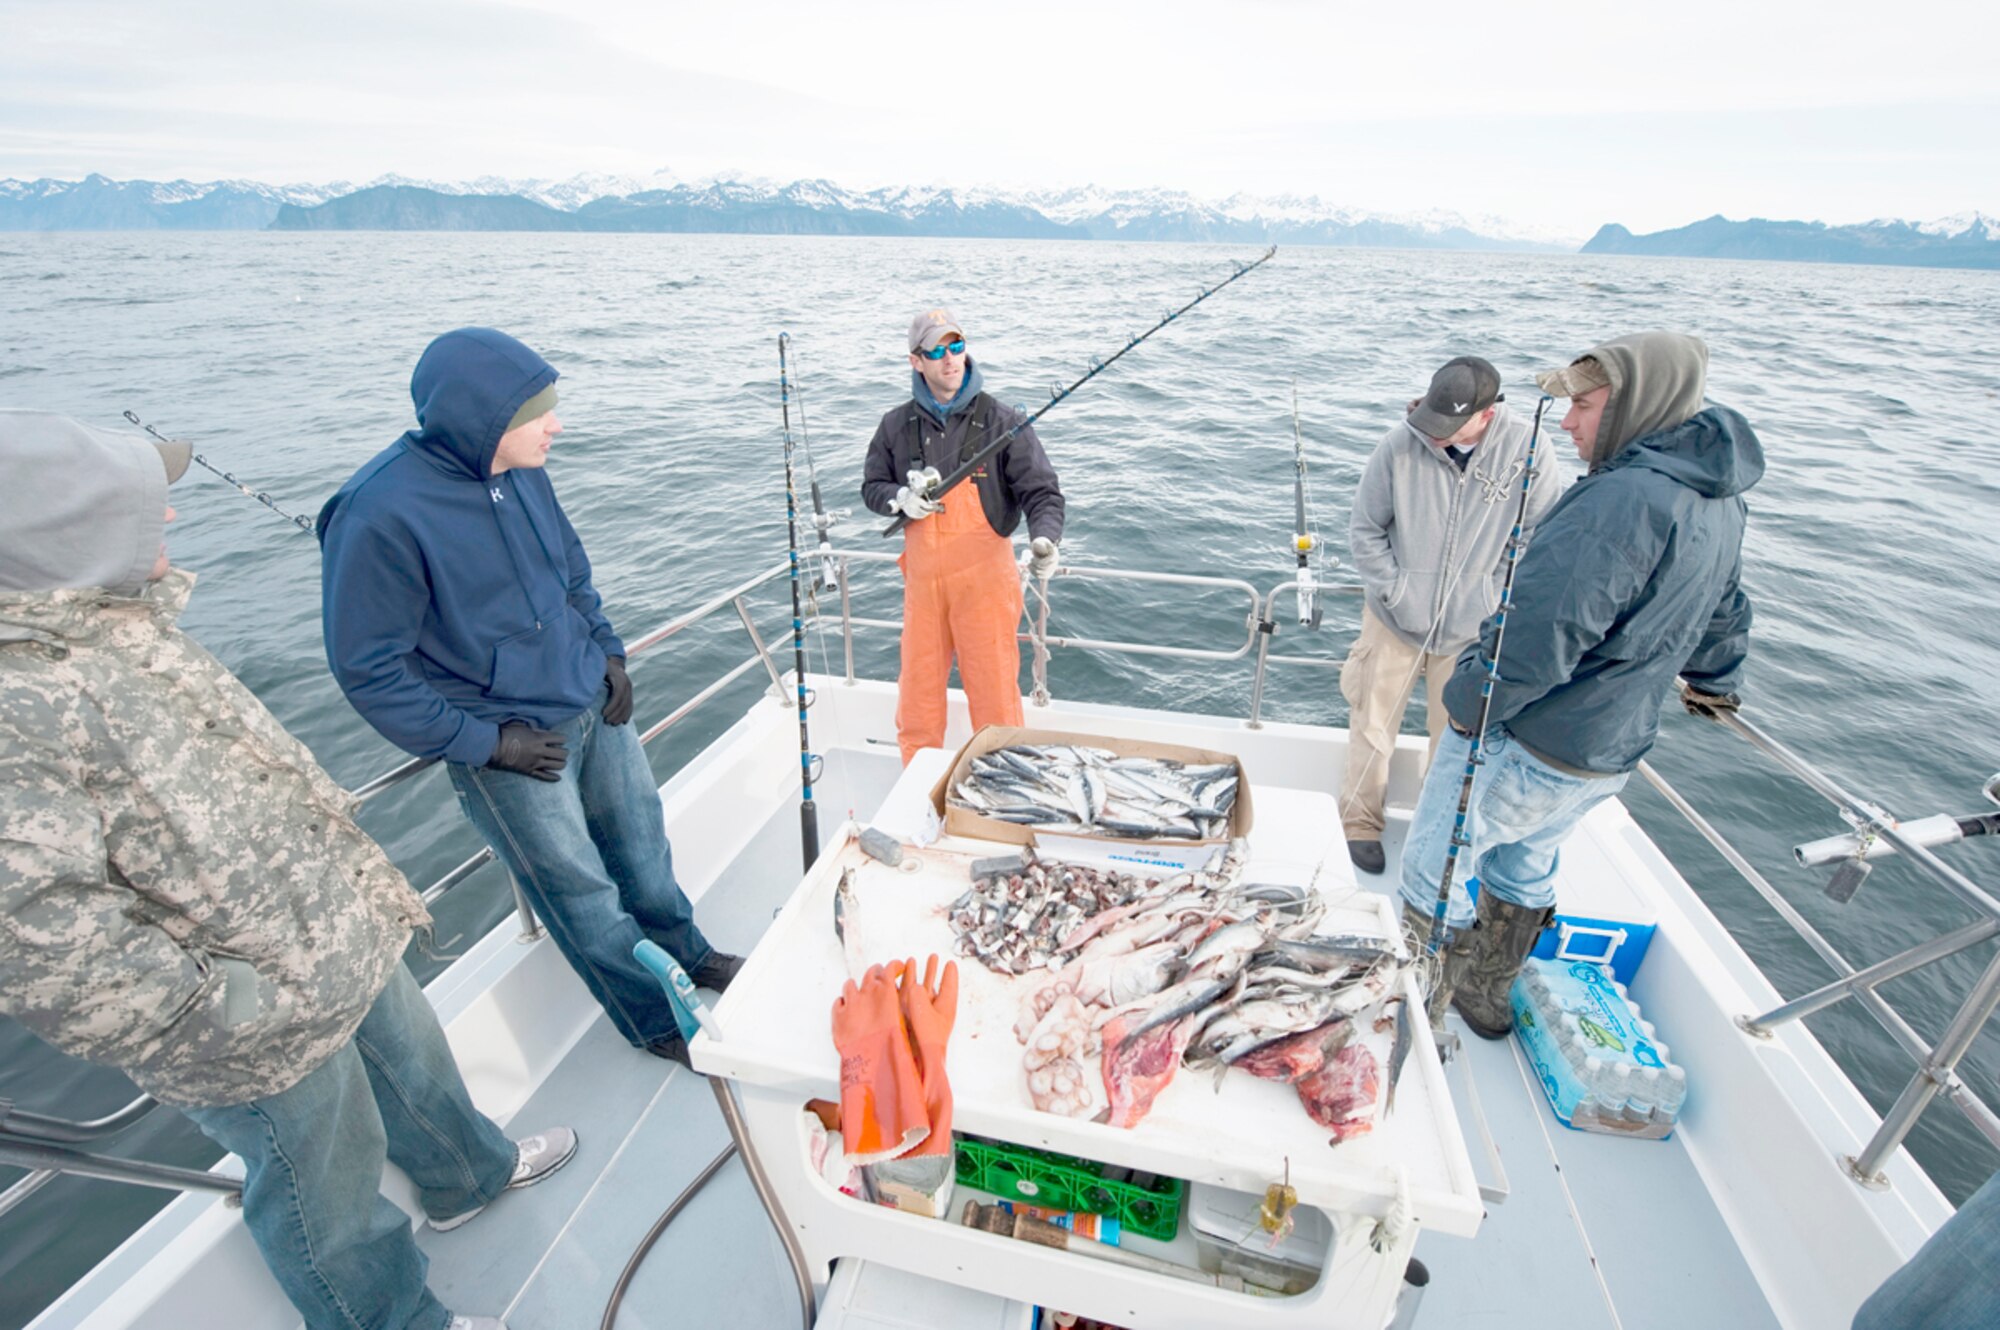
[1304, 545]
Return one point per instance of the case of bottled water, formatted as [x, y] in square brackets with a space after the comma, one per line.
[1602, 1066]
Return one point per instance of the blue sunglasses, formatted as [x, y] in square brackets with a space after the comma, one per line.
[937, 352]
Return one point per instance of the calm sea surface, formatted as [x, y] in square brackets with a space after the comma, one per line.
[287, 358]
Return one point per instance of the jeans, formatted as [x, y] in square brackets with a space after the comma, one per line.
[1522, 810]
[313, 1166]
[1949, 1283]
[591, 853]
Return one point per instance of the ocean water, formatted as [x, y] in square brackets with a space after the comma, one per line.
[1876, 651]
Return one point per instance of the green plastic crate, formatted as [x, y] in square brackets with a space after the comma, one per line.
[1058, 1182]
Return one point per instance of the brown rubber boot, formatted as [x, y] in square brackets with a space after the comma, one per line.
[1495, 948]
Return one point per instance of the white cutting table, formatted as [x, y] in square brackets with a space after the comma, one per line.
[777, 1048]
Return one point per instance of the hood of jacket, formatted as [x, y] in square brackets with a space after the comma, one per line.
[1715, 453]
[81, 507]
[968, 388]
[467, 385]
[1657, 381]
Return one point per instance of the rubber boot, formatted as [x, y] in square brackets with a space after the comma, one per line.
[1495, 948]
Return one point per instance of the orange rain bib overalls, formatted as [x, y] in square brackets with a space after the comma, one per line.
[961, 596]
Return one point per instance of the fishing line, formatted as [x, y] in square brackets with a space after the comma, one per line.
[1473, 755]
[1058, 393]
[260, 496]
[828, 576]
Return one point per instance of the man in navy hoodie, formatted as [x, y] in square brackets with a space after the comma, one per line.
[461, 622]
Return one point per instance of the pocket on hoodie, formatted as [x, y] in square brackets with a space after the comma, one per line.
[1411, 608]
[523, 664]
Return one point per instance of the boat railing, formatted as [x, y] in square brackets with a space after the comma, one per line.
[47, 1148]
[1936, 1072]
[1937, 1064]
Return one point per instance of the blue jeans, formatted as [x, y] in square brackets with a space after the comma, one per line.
[1949, 1283]
[590, 850]
[1522, 810]
[313, 1167]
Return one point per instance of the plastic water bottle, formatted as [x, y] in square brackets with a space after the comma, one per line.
[1643, 1097]
[1673, 1093]
[1600, 1081]
[1618, 1094]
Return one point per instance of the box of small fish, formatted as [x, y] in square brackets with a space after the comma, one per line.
[1022, 786]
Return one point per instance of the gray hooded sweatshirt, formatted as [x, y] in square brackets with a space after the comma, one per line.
[1429, 539]
[183, 892]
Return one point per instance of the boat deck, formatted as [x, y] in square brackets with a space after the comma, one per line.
[1595, 1231]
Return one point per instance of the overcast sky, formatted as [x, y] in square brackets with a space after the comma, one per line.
[1563, 116]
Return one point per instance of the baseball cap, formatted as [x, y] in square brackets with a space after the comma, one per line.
[933, 326]
[1460, 390]
[1574, 379]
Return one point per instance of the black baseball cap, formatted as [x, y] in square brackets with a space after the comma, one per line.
[1459, 391]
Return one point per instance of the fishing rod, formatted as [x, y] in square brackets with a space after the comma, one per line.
[808, 811]
[1459, 837]
[1305, 541]
[940, 488]
[260, 496]
[828, 576]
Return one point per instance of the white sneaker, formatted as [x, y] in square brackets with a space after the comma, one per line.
[537, 1156]
[476, 1323]
[541, 1155]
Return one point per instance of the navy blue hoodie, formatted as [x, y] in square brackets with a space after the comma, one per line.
[454, 599]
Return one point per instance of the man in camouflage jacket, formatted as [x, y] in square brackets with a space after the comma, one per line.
[184, 895]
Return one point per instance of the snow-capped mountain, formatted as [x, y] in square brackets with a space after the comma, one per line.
[735, 202]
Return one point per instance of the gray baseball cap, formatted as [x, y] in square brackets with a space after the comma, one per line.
[1460, 390]
[933, 326]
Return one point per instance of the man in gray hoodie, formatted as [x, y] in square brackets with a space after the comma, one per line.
[1428, 536]
[184, 896]
[1633, 578]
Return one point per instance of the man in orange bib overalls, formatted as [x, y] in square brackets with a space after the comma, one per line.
[961, 589]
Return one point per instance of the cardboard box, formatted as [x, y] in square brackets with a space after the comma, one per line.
[1162, 852]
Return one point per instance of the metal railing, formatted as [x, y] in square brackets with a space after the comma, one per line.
[1936, 1072]
[45, 1146]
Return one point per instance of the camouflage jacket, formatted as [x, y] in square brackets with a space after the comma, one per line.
[184, 894]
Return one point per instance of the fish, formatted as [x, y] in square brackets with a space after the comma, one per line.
[1340, 1094]
[1116, 980]
[1294, 1057]
[847, 925]
[1143, 798]
[1138, 1067]
[1399, 1052]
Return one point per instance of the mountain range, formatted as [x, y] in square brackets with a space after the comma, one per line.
[1969, 240]
[662, 202]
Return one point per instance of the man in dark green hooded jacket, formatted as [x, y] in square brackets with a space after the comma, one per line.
[1632, 578]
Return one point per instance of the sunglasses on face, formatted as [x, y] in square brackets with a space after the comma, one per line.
[937, 352]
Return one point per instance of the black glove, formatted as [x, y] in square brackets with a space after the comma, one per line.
[618, 706]
[532, 752]
[1709, 705]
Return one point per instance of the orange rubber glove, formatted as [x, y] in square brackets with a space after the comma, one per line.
[881, 1092]
[930, 1006]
